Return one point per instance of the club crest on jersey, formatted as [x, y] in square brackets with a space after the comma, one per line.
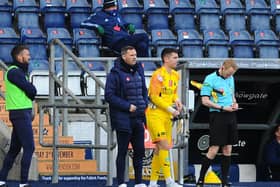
[160, 78]
[127, 79]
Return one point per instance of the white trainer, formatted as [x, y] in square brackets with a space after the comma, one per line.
[174, 184]
[155, 185]
[140, 185]
[123, 185]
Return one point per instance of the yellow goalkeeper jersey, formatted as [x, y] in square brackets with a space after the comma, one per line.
[163, 90]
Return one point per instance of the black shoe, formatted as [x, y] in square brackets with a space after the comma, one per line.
[226, 185]
[199, 183]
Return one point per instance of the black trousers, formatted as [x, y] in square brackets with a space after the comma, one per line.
[136, 137]
[22, 137]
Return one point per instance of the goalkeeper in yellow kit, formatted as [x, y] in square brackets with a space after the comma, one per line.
[163, 96]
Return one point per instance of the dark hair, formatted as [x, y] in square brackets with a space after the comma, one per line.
[109, 3]
[126, 48]
[17, 50]
[167, 51]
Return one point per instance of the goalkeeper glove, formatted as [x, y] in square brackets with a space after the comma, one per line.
[100, 30]
[131, 28]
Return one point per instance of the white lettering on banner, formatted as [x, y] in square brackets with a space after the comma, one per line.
[240, 143]
[250, 96]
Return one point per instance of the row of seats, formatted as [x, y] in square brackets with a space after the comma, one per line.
[186, 15]
[213, 43]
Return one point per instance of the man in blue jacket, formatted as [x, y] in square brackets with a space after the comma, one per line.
[19, 96]
[114, 31]
[126, 93]
[272, 153]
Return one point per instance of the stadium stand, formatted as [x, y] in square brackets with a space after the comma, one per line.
[209, 14]
[131, 12]
[8, 39]
[233, 14]
[183, 14]
[191, 43]
[6, 14]
[78, 10]
[267, 44]
[156, 12]
[258, 14]
[201, 28]
[216, 43]
[242, 44]
[53, 13]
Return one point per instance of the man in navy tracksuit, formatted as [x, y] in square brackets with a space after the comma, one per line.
[114, 31]
[126, 93]
[19, 95]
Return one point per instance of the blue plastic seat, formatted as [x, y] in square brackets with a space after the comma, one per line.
[96, 5]
[6, 14]
[275, 11]
[209, 14]
[36, 41]
[234, 15]
[242, 44]
[259, 14]
[8, 39]
[53, 12]
[163, 38]
[79, 10]
[87, 44]
[157, 14]
[267, 44]
[26, 12]
[191, 43]
[216, 43]
[183, 14]
[63, 35]
[131, 12]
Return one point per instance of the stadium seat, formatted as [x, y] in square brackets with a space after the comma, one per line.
[73, 70]
[26, 13]
[53, 12]
[163, 38]
[87, 44]
[63, 35]
[157, 14]
[275, 11]
[39, 75]
[234, 15]
[36, 41]
[216, 43]
[8, 39]
[131, 12]
[209, 14]
[242, 44]
[267, 44]
[191, 43]
[96, 5]
[6, 14]
[79, 10]
[182, 13]
[258, 14]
